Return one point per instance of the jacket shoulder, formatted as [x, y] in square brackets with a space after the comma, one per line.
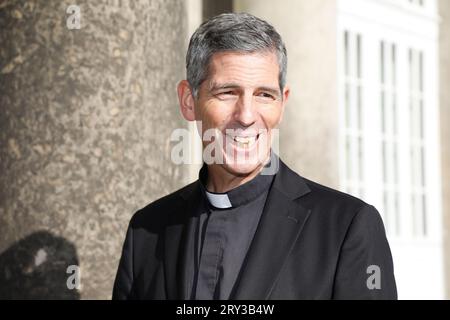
[333, 196]
[339, 207]
[158, 212]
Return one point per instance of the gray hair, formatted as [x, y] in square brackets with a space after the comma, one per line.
[240, 32]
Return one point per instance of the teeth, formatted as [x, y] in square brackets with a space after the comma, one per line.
[245, 139]
[245, 142]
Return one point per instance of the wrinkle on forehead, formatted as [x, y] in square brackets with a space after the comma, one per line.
[246, 69]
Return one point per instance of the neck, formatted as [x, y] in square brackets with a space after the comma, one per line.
[220, 180]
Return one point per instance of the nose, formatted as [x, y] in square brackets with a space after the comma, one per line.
[245, 112]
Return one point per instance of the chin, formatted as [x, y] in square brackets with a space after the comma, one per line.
[245, 154]
[241, 169]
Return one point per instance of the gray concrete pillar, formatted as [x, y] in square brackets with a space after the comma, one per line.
[85, 122]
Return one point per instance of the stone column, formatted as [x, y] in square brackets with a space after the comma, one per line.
[444, 11]
[309, 132]
[85, 121]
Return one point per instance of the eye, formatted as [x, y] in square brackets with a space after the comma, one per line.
[225, 94]
[266, 95]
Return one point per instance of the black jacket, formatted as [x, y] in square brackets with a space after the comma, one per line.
[312, 242]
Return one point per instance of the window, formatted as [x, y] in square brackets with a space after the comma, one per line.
[417, 144]
[389, 137]
[354, 159]
[417, 2]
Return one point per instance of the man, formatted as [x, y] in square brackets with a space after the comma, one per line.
[245, 230]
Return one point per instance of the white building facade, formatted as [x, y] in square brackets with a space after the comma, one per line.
[389, 137]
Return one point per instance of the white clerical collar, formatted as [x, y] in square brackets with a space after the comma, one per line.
[218, 200]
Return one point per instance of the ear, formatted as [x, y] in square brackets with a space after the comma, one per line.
[285, 95]
[186, 100]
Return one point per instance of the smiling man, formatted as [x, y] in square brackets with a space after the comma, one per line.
[245, 230]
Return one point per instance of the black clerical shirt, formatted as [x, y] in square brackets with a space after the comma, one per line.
[227, 224]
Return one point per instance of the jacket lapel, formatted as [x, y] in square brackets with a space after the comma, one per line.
[279, 228]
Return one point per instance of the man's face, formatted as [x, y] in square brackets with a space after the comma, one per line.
[241, 98]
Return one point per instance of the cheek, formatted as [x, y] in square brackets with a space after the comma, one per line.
[215, 115]
[271, 116]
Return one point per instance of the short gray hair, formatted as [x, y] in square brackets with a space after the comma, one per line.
[240, 32]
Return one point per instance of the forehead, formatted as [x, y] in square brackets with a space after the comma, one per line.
[244, 67]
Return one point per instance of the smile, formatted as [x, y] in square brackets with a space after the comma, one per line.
[244, 142]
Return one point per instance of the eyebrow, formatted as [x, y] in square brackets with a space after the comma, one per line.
[213, 86]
